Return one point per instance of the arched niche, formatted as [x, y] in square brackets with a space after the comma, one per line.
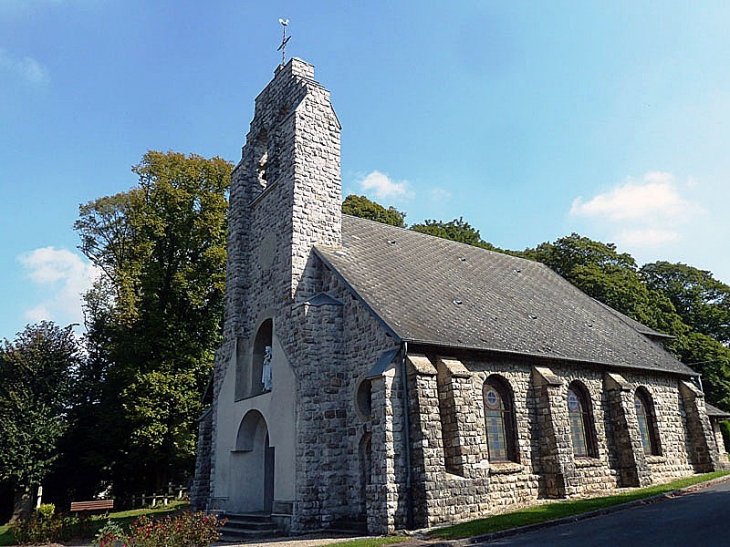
[261, 372]
[251, 431]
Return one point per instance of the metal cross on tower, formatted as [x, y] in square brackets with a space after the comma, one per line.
[284, 40]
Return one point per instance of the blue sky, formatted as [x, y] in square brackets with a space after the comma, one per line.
[529, 119]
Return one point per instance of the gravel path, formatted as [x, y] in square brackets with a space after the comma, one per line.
[309, 540]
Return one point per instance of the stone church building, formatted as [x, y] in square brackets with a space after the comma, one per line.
[372, 374]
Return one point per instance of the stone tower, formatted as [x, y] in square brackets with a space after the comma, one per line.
[286, 192]
[285, 198]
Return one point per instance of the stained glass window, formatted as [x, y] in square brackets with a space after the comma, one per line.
[580, 421]
[498, 417]
[644, 416]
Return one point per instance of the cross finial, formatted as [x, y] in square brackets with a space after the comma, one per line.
[284, 39]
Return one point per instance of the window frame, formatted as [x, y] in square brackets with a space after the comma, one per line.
[507, 418]
[650, 434]
[587, 423]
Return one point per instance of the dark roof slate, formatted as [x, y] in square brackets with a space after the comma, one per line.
[715, 412]
[439, 292]
[639, 327]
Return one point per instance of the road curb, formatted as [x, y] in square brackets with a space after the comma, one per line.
[575, 518]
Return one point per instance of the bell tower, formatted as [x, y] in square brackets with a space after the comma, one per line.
[286, 196]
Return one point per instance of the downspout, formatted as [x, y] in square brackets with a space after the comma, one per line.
[407, 437]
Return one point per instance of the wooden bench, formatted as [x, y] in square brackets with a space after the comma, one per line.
[95, 505]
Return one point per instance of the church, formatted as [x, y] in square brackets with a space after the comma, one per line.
[374, 375]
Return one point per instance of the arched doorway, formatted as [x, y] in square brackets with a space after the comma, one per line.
[252, 467]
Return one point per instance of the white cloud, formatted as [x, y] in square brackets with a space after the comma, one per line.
[37, 314]
[647, 237]
[62, 277]
[25, 68]
[383, 187]
[439, 194]
[654, 196]
[645, 212]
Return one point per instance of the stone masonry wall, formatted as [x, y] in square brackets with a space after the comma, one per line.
[721, 449]
[702, 445]
[624, 435]
[200, 491]
[330, 466]
[673, 459]
[442, 497]
[205, 471]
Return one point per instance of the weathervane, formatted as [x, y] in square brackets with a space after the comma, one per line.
[284, 40]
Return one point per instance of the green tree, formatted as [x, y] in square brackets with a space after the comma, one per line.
[153, 319]
[613, 278]
[455, 230]
[360, 206]
[702, 301]
[711, 359]
[36, 375]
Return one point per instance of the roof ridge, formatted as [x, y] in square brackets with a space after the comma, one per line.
[414, 233]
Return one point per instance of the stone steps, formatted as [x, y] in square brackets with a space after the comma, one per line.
[248, 526]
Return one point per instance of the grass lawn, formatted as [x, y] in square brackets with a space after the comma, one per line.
[172, 507]
[552, 511]
[370, 542]
[123, 518]
[6, 537]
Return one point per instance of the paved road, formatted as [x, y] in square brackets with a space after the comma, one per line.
[700, 518]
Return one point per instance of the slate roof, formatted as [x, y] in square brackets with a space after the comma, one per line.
[714, 412]
[640, 327]
[437, 292]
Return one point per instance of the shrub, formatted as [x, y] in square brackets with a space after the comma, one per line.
[38, 529]
[46, 510]
[82, 526]
[44, 526]
[112, 535]
[184, 530]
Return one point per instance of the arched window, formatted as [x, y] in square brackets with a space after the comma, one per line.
[500, 421]
[581, 422]
[647, 422]
[261, 155]
[363, 397]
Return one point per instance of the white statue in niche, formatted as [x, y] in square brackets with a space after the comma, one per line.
[266, 369]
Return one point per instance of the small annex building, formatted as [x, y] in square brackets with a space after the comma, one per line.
[372, 374]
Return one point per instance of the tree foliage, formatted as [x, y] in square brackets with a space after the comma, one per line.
[456, 230]
[36, 374]
[711, 359]
[702, 301]
[153, 318]
[360, 206]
